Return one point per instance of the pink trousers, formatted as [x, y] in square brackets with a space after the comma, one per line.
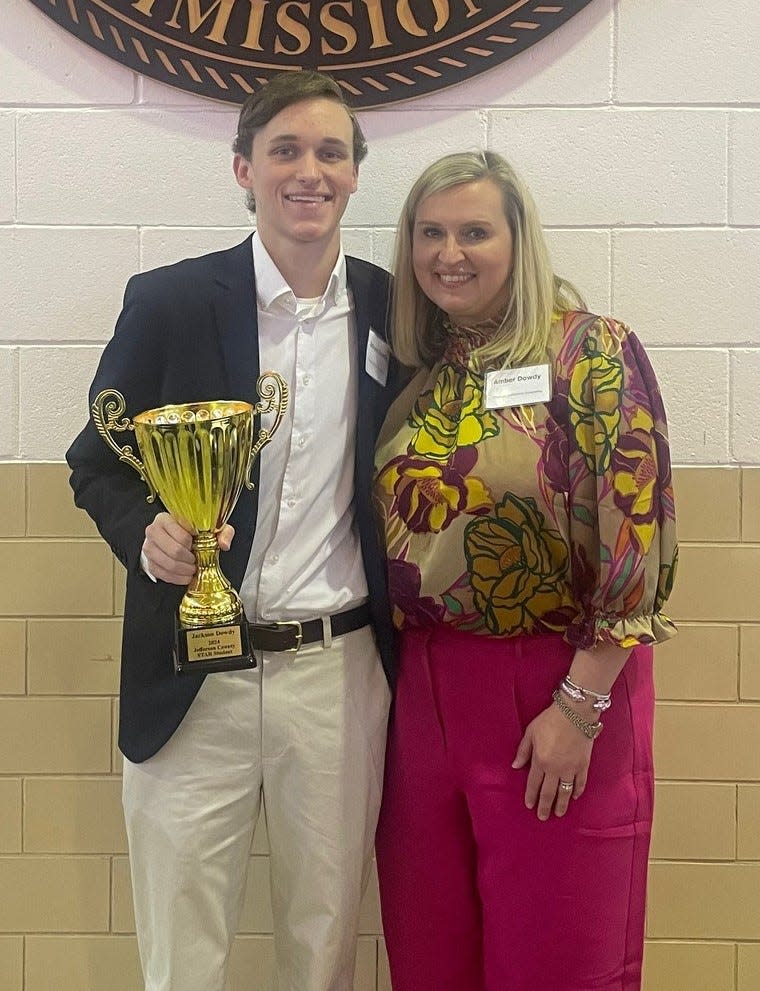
[478, 894]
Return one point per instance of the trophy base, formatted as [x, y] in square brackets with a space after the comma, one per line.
[206, 649]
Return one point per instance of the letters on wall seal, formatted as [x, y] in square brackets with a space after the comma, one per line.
[380, 51]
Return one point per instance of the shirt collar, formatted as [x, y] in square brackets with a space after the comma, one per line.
[273, 292]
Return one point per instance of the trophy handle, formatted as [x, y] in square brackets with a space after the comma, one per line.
[108, 406]
[274, 393]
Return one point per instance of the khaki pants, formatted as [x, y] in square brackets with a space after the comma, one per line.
[307, 732]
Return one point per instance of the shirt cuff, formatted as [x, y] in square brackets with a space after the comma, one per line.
[632, 631]
[146, 569]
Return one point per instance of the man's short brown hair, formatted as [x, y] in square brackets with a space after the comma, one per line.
[280, 92]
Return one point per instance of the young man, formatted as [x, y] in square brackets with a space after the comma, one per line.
[305, 730]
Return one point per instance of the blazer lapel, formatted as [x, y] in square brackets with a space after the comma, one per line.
[371, 399]
[369, 389]
[236, 322]
[365, 441]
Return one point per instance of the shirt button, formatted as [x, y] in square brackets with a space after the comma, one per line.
[306, 379]
[291, 503]
[302, 441]
[275, 558]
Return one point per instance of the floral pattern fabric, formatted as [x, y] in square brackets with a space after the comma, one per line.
[552, 517]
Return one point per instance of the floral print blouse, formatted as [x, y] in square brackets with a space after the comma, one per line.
[555, 517]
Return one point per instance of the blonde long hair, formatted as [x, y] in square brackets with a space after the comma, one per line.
[535, 292]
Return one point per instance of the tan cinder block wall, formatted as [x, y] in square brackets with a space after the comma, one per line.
[65, 912]
[703, 920]
[66, 920]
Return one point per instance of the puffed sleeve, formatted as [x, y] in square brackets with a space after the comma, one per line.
[622, 517]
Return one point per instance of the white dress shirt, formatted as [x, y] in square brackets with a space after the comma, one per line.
[306, 557]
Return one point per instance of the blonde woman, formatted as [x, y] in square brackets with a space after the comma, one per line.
[523, 484]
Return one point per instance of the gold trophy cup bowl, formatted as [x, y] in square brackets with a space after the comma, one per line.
[196, 457]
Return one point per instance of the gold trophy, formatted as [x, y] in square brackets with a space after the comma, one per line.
[196, 457]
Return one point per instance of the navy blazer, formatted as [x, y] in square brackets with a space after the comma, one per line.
[188, 333]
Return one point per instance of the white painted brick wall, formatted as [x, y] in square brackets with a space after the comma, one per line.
[164, 245]
[637, 126]
[687, 287]
[40, 65]
[695, 384]
[53, 386]
[7, 166]
[63, 283]
[402, 142]
[583, 257]
[745, 395]
[8, 402]
[131, 167]
[681, 52]
[614, 167]
[744, 168]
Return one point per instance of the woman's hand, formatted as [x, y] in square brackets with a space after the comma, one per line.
[168, 549]
[558, 752]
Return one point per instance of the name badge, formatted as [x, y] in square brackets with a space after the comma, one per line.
[518, 387]
[378, 357]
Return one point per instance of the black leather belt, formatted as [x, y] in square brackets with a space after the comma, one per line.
[292, 634]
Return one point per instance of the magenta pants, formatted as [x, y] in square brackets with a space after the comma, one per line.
[478, 894]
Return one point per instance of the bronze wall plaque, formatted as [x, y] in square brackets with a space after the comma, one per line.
[380, 51]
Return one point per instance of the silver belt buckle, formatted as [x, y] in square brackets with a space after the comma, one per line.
[299, 633]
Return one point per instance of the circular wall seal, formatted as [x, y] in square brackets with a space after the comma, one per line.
[380, 51]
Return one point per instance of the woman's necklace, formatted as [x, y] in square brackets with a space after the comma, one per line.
[460, 340]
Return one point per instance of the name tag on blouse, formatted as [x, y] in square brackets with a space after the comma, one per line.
[518, 387]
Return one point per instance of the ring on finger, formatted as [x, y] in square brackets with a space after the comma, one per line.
[566, 785]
